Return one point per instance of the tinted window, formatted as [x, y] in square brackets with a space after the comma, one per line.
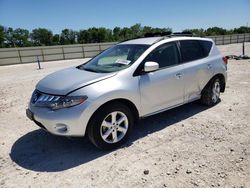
[191, 50]
[206, 45]
[166, 55]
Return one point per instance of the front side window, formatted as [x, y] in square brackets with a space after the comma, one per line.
[191, 50]
[115, 58]
[165, 55]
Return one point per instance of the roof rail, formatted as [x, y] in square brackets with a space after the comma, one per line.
[168, 34]
[177, 34]
[146, 35]
[163, 35]
[158, 34]
[185, 34]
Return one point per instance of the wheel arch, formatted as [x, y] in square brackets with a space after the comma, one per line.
[123, 101]
[221, 77]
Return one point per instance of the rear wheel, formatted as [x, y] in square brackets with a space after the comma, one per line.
[211, 93]
[110, 126]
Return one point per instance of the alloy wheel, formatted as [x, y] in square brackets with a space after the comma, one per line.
[114, 127]
[216, 92]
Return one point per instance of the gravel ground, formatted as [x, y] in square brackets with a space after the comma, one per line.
[190, 146]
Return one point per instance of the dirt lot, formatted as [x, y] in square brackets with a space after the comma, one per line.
[190, 146]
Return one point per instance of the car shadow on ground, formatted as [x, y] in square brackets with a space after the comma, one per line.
[43, 152]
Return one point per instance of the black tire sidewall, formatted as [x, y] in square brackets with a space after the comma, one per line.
[97, 119]
[211, 90]
[207, 93]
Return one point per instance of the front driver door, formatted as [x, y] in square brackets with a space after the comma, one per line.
[163, 88]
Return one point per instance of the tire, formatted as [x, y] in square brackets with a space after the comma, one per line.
[110, 126]
[211, 93]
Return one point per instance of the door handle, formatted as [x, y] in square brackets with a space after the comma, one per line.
[178, 75]
[209, 66]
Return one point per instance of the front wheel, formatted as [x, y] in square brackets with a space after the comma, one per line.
[110, 126]
[211, 93]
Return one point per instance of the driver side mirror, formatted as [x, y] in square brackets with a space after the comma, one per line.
[151, 66]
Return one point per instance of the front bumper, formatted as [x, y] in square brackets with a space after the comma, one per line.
[64, 122]
[30, 115]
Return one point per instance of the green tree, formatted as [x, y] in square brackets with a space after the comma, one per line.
[94, 35]
[242, 29]
[68, 36]
[125, 33]
[148, 29]
[104, 35]
[83, 36]
[136, 30]
[93, 32]
[215, 31]
[196, 32]
[161, 30]
[8, 37]
[41, 37]
[20, 37]
[2, 37]
[116, 33]
[56, 39]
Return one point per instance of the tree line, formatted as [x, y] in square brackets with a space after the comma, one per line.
[19, 37]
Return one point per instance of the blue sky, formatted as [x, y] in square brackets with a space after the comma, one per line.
[81, 14]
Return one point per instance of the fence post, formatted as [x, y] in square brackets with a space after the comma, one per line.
[237, 38]
[223, 38]
[243, 48]
[83, 53]
[63, 53]
[230, 39]
[38, 61]
[100, 50]
[42, 54]
[215, 40]
[19, 55]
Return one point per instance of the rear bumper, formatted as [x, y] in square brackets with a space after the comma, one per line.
[64, 122]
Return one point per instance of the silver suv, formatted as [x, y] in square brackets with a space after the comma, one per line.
[133, 79]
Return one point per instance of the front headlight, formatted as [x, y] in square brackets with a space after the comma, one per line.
[56, 102]
[66, 102]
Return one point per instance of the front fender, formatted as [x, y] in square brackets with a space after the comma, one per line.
[108, 90]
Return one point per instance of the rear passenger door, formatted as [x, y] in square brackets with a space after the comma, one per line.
[165, 87]
[197, 68]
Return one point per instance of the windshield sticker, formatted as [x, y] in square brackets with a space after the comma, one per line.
[123, 61]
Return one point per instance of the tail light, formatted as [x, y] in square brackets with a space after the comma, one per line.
[225, 60]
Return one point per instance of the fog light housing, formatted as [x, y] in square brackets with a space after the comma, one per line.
[61, 128]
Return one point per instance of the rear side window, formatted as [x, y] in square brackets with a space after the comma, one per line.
[206, 45]
[191, 50]
[165, 55]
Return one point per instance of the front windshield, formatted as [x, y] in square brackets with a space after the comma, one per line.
[115, 58]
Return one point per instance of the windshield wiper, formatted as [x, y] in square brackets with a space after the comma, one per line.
[81, 67]
[90, 70]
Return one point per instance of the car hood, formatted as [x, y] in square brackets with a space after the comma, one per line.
[64, 81]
